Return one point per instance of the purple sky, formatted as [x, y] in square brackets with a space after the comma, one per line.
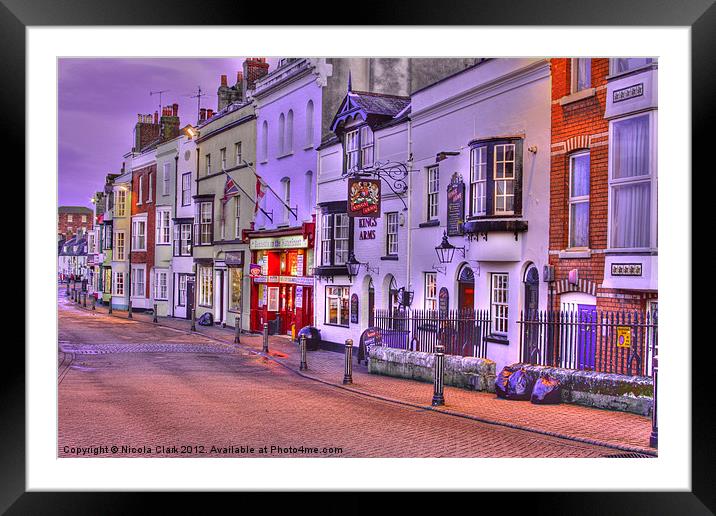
[98, 102]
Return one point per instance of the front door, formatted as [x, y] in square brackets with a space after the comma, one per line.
[587, 336]
[371, 305]
[531, 307]
[463, 342]
[189, 297]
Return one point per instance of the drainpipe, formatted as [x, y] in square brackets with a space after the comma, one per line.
[176, 189]
[410, 209]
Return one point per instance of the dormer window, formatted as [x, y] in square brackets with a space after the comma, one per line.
[358, 148]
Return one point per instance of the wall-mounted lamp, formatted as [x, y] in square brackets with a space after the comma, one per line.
[532, 149]
[444, 154]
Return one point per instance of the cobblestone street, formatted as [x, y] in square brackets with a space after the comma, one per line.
[162, 392]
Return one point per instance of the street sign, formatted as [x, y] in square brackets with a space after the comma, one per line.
[623, 337]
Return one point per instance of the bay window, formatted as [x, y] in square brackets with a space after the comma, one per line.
[626, 64]
[358, 148]
[340, 238]
[337, 305]
[495, 178]
[336, 231]
[579, 200]
[632, 195]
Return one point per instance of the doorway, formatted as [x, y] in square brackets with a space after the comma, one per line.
[189, 296]
[587, 337]
[371, 303]
[530, 312]
[466, 289]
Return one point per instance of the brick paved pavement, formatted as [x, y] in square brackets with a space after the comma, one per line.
[628, 431]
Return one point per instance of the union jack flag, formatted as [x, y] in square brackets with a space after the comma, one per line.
[230, 189]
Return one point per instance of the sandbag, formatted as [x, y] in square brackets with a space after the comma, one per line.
[519, 386]
[206, 319]
[502, 379]
[546, 391]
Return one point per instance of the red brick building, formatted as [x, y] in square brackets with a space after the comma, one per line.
[71, 219]
[603, 185]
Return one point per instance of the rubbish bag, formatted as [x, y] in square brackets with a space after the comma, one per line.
[502, 379]
[519, 386]
[547, 391]
[206, 319]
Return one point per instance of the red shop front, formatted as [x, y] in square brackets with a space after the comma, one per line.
[281, 286]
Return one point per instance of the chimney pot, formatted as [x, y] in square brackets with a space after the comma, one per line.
[209, 113]
[175, 109]
[224, 80]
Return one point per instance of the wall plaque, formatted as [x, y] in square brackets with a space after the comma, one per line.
[354, 309]
[626, 269]
[444, 300]
[636, 90]
[455, 205]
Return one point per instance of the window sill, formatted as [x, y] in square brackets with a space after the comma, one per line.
[429, 224]
[285, 155]
[632, 251]
[577, 96]
[337, 325]
[263, 161]
[575, 254]
[391, 258]
[308, 147]
[497, 339]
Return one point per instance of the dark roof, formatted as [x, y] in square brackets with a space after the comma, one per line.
[73, 209]
[68, 249]
[379, 103]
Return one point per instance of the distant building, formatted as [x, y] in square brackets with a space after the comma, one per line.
[73, 220]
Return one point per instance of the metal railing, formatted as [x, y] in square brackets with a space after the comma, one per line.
[609, 342]
[461, 332]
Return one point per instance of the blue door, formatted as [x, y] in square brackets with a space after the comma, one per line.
[587, 336]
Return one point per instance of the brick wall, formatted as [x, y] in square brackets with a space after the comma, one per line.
[145, 257]
[63, 224]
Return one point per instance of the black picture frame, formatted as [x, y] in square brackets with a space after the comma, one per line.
[700, 15]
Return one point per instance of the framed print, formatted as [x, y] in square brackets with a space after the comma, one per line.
[537, 142]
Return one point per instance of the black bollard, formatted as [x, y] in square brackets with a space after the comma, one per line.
[155, 313]
[94, 303]
[302, 345]
[84, 299]
[129, 309]
[237, 328]
[109, 306]
[265, 347]
[438, 397]
[193, 319]
[348, 373]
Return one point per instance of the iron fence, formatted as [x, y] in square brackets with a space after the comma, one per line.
[462, 332]
[609, 342]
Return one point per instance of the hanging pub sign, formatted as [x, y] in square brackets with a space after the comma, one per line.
[455, 205]
[443, 301]
[364, 198]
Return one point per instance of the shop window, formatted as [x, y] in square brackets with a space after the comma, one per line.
[206, 286]
[235, 279]
[337, 305]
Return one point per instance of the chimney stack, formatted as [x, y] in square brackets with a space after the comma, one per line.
[156, 117]
[209, 113]
[170, 122]
[175, 109]
[254, 69]
[224, 81]
[146, 130]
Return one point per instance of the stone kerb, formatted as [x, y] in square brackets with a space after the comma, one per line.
[600, 390]
[466, 372]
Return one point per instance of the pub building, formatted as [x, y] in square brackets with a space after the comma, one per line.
[362, 220]
[281, 280]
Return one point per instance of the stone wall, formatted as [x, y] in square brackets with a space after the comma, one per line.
[466, 372]
[600, 390]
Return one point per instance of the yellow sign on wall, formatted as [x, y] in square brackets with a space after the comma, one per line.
[623, 337]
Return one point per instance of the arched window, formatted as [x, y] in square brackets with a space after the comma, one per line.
[281, 134]
[289, 132]
[308, 192]
[286, 183]
[264, 142]
[309, 124]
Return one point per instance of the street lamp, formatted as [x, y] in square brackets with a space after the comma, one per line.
[446, 250]
[353, 266]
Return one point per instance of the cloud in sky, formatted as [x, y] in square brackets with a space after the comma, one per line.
[98, 102]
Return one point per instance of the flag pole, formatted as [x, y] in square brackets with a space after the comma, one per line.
[247, 194]
[293, 212]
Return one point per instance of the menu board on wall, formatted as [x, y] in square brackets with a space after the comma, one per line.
[354, 309]
[299, 296]
[443, 300]
[455, 205]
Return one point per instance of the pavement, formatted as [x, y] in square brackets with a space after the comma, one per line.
[611, 432]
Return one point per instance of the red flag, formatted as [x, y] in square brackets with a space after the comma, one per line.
[260, 191]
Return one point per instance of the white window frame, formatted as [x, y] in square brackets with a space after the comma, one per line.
[164, 227]
[391, 233]
[186, 189]
[207, 158]
[84, 218]
[575, 74]
[161, 284]
[222, 154]
[203, 223]
[352, 149]
[139, 272]
[117, 276]
[237, 216]
[120, 206]
[286, 183]
[337, 295]
[181, 300]
[140, 189]
[499, 303]
[120, 246]
[136, 234]
[165, 179]
[69, 217]
[326, 238]
[433, 192]
[652, 177]
[431, 291]
[341, 223]
[580, 199]
[507, 180]
[367, 146]
[206, 285]
[478, 181]
[150, 189]
[237, 153]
